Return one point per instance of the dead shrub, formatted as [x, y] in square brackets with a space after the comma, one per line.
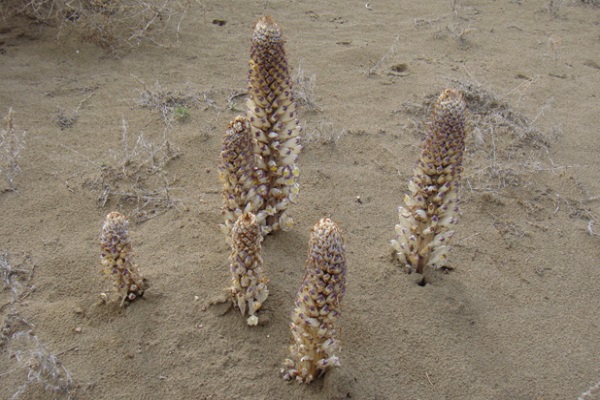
[113, 25]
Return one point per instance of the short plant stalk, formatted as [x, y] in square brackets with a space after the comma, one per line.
[117, 258]
[248, 282]
[318, 306]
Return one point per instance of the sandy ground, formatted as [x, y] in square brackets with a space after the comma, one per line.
[517, 318]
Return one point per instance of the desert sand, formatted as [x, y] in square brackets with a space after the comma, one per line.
[517, 316]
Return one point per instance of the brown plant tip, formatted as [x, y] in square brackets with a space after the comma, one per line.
[445, 143]
[248, 283]
[318, 306]
[431, 207]
[267, 31]
[273, 116]
[117, 258]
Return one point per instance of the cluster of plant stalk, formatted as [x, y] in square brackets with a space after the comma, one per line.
[259, 175]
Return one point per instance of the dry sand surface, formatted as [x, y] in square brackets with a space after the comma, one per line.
[517, 317]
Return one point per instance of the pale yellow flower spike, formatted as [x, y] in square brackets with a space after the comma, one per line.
[318, 306]
[244, 185]
[273, 116]
[431, 208]
[117, 258]
[248, 283]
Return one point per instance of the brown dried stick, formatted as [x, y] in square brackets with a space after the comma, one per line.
[318, 304]
[272, 113]
[431, 207]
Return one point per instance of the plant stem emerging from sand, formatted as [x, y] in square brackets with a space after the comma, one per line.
[318, 304]
[117, 258]
[431, 207]
[248, 283]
